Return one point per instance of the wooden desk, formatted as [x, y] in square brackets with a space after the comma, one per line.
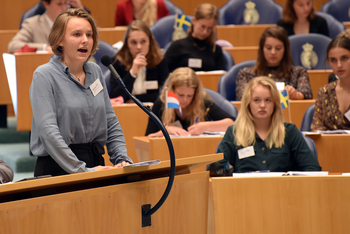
[333, 151]
[111, 35]
[110, 200]
[210, 80]
[241, 35]
[318, 78]
[289, 205]
[156, 148]
[243, 53]
[347, 24]
[297, 109]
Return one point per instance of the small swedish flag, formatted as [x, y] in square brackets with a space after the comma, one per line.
[284, 99]
[182, 21]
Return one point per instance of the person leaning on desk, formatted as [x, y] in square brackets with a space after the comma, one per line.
[260, 140]
[72, 114]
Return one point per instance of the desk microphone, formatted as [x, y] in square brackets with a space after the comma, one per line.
[146, 209]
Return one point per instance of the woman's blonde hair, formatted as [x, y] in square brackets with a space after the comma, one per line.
[184, 77]
[206, 11]
[154, 56]
[244, 129]
[289, 15]
[58, 30]
[149, 12]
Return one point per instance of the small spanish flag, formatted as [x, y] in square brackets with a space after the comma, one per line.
[284, 99]
[172, 101]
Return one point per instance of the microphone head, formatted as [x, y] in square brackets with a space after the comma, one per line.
[106, 60]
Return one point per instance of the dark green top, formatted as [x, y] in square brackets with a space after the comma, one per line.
[295, 155]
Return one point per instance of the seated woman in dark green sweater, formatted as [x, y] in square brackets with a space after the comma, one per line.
[260, 140]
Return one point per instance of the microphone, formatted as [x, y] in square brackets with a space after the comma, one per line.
[146, 210]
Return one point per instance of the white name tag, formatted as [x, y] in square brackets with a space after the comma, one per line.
[152, 84]
[347, 115]
[246, 152]
[194, 62]
[96, 87]
[280, 86]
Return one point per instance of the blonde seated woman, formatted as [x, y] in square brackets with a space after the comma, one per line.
[260, 140]
[199, 112]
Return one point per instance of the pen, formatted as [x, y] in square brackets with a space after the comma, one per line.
[196, 120]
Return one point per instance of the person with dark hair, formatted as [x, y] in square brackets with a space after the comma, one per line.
[35, 30]
[73, 118]
[299, 17]
[275, 61]
[6, 173]
[198, 50]
[140, 64]
[260, 140]
[148, 11]
[332, 107]
[199, 112]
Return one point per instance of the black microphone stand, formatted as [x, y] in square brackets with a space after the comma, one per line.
[146, 209]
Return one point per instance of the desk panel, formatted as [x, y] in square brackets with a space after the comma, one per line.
[243, 53]
[288, 205]
[210, 80]
[333, 151]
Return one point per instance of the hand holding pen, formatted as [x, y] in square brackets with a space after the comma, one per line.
[197, 128]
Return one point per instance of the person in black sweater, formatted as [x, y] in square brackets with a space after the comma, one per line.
[140, 64]
[299, 17]
[198, 50]
[199, 112]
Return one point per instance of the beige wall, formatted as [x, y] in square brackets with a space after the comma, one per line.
[102, 10]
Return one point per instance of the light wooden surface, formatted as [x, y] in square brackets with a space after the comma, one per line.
[79, 204]
[156, 148]
[241, 35]
[333, 151]
[347, 24]
[210, 80]
[243, 53]
[318, 78]
[288, 205]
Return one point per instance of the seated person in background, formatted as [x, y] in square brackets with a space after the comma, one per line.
[35, 30]
[149, 11]
[199, 112]
[346, 33]
[275, 61]
[6, 173]
[198, 50]
[332, 107]
[299, 17]
[140, 64]
[260, 140]
[72, 122]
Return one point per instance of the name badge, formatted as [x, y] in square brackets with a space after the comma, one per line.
[152, 84]
[347, 115]
[96, 87]
[246, 152]
[194, 62]
[280, 86]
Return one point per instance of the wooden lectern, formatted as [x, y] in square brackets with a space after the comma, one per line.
[109, 201]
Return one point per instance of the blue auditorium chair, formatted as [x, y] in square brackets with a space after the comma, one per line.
[339, 9]
[227, 82]
[172, 8]
[104, 48]
[307, 119]
[334, 26]
[269, 12]
[223, 103]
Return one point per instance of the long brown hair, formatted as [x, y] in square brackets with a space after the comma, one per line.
[184, 77]
[206, 11]
[285, 67]
[154, 56]
[289, 15]
[59, 29]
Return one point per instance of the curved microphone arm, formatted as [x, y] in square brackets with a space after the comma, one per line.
[106, 60]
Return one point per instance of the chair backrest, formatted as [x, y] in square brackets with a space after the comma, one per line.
[307, 119]
[311, 144]
[223, 103]
[37, 9]
[104, 48]
[339, 9]
[163, 29]
[334, 26]
[229, 61]
[227, 82]
[107, 78]
[310, 57]
[237, 12]
[172, 8]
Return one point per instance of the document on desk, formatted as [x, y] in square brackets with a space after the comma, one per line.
[145, 163]
[272, 174]
[334, 132]
[308, 173]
